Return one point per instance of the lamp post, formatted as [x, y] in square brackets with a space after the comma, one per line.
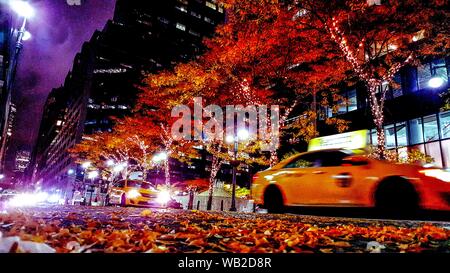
[242, 135]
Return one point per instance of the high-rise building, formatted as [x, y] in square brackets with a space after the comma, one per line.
[143, 37]
[10, 45]
[22, 161]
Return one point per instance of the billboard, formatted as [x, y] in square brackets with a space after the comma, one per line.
[350, 140]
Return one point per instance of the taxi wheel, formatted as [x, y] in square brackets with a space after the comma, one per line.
[273, 200]
[396, 197]
[123, 200]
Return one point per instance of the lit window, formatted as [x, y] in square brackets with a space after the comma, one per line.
[352, 101]
[181, 27]
[220, 9]
[415, 131]
[402, 140]
[209, 20]
[163, 20]
[183, 2]
[181, 8]
[373, 2]
[430, 128]
[58, 123]
[444, 119]
[194, 33]
[193, 13]
[211, 5]
[389, 132]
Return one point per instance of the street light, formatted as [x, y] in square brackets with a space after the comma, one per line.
[86, 165]
[22, 8]
[26, 36]
[242, 135]
[70, 172]
[2, 176]
[93, 174]
[436, 82]
[110, 162]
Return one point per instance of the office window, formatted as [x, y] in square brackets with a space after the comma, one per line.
[397, 86]
[389, 132]
[181, 27]
[195, 33]
[181, 8]
[193, 13]
[444, 120]
[209, 20]
[430, 128]
[342, 108]
[374, 137]
[415, 131]
[439, 69]
[436, 68]
[163, 20]
[352, 100]
[402, 139]
[211, 5]
[434, 150]
[446, 153]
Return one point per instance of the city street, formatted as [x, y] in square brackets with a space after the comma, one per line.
[112, 229]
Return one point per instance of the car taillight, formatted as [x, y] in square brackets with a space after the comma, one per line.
[255, 177]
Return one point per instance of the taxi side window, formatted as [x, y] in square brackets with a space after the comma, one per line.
[305, 161]
[333, 158]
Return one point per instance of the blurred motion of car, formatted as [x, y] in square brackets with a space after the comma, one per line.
[139, 193]
[7, 195]
[344, 178]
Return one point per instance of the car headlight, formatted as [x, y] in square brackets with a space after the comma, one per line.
[163, 197]
[437, 173]
[133, 194]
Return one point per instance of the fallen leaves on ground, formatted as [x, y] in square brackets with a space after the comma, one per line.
[170, 231]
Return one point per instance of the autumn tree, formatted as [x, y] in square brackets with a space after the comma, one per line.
[378, 40]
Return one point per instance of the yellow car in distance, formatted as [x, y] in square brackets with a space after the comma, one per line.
[138, 193]
[345, 178]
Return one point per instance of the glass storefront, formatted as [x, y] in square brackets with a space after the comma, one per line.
[429, 134]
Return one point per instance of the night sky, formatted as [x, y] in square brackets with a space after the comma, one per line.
[59, 31]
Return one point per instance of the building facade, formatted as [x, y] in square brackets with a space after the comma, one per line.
[143, 37]
[9, 53]
[415, 113]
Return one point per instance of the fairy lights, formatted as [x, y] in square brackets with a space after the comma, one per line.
[364, 73]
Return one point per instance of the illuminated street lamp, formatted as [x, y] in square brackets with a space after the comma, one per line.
[70, 172]
[242, 135]
[22, 8]
[93, 175]
[2, 176]
[86, 165]
[110, 162]
[436, 82]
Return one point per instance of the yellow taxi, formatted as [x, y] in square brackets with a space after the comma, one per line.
[137, 193]
[346, 178]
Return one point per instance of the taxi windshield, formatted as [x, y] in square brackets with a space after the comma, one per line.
[138, 184]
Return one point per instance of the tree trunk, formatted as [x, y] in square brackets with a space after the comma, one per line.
[210, 192]
[167, 172]
[273, 158]
[191, 199]
[215, 166]
[377, 109]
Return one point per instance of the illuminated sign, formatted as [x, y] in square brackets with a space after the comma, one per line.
[350, 140]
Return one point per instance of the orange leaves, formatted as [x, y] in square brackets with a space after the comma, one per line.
[181, 231]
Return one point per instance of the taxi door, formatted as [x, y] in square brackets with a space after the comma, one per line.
[342, 179]
[301, 180]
